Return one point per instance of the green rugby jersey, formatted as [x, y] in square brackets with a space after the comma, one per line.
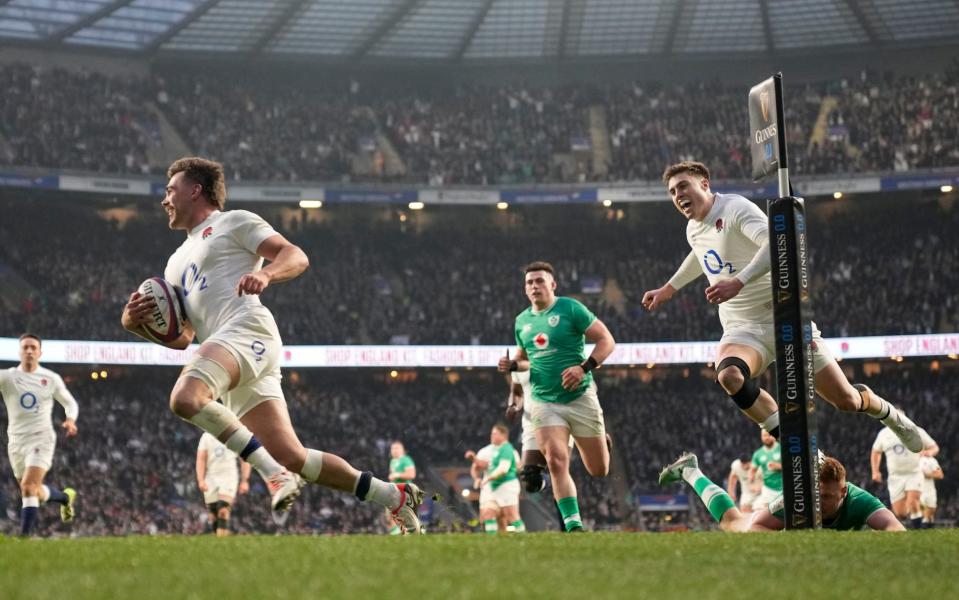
[503, 452]
[398, 465]
[554, 341]
[761, 458]
[856, 509]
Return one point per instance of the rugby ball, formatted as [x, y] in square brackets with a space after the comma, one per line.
[166, 321]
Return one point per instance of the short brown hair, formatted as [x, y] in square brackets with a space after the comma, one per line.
[500, 427]
[539, 265]
[832, 470]
[207, 173]
[31, 336]
[687, 166]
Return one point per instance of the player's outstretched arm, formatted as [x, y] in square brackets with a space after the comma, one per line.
[245, 470]
[764, 521]
[287, 261]
[875, 457]
[884, 520]
[201, 470]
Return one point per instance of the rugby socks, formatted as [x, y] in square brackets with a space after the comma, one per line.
[716, 499]
[52, 494]
[489, 526]
[771, 425]
[874, 405]
[371, 489]
[569, 508]
[518, 526]
[395, 530]
[28, 514]
[246, 446]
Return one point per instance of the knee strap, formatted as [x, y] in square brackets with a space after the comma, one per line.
[747, 395]
[210, 372]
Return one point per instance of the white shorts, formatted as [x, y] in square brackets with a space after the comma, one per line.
[255, 343]
[31, 450]
[761, 337]
[747, 499]
[529, 435]
[765, 498]
[900, 484]
[928, 497]
[486, 497]
[220, 488]
[583, 416]
[506, 495]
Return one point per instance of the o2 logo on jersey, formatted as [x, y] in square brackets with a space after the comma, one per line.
[192, 278]
[714, 263]
[28, 401]
[259, 349]
[541, 341]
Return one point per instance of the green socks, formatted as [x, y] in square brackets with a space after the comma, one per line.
[569, 508]
[715, 498]
[489, 526]
[518, 526]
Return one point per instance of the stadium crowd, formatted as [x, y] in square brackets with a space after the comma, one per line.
[133, 461]
[880, 266]
[317, 129]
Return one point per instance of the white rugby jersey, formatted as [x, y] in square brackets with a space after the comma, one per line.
[928, 465]
[899, 460]
[209, 264]
[723, 246]
[522, 378]
[220, 462]
[29, 398]
[741, 471]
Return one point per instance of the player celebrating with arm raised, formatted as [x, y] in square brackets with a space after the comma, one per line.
[550, 338]
[220, 270]
[29, 391]
[729, 236]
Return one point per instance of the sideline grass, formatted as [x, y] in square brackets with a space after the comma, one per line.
[825, 564]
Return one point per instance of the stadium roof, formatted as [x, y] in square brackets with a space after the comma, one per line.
[452, 30]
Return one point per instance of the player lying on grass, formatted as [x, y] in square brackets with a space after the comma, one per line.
[844, 505]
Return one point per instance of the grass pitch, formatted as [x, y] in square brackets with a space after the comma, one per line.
[825, 564]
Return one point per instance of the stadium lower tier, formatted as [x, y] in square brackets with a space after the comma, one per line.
[133, 462]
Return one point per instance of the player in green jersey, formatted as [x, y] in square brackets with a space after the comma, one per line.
[501, 477]
[402, 470]
[844, 506]
[767, 463]
[550, 339]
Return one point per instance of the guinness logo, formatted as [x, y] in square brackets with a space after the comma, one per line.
[804, 296]
[764, 104]
[783, 296]
[811, 407]
[799, 519]
[791, 407]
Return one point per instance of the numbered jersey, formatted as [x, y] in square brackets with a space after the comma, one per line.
[725, 242]
[29, 399]
[209, 264]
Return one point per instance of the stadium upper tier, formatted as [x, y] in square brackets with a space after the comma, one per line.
[881, 264]
[333, 130]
